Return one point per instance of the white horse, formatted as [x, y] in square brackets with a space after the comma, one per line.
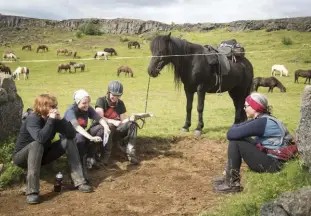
[10, 56]
[281, 68]
[101, 53]
[21, 70]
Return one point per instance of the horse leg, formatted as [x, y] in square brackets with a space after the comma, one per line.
[238, 96]
[189, 96]
[200, 108]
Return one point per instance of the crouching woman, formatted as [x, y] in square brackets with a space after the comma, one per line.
[34, 146]
[263, 142]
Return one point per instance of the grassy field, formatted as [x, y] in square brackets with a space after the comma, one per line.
[167, 103]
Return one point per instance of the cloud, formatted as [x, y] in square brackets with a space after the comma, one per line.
[178, 11]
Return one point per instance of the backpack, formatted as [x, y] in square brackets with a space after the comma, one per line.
[26, 114]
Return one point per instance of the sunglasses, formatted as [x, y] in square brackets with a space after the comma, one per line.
[246, 105]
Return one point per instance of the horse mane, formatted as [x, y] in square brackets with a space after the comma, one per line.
[174, 46]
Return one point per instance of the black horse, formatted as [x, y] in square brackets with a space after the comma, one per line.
[111, 51]
[270, 82]
[303, 73]
[134, 44]
[199, 73]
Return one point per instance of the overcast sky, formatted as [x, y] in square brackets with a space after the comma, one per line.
[177, 11]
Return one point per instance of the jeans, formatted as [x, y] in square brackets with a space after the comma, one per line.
[34, 155]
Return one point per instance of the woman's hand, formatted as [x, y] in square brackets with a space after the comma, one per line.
[96, 139]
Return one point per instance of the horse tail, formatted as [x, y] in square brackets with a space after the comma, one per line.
[296, 76]
[95, 56]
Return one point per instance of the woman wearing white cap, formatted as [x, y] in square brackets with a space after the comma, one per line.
[263, 142]
[78, 114]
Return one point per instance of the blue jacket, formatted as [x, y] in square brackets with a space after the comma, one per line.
[265, 129]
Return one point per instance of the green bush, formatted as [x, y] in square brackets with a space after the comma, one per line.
[90, 28]
[124, 39]
[11, 173]
[79, 34]
[287, 41]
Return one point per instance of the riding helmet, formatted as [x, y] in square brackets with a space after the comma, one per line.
[115, 88]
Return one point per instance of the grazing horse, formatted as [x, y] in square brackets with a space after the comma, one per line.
[10, 56]
[42, 47]
[133, 43]
[28, 47]
[64, 67]
[101, 53]
[77, 65]
[5, 69]
[126, 69]
[303, 73]
[21, 70]
[280, 68]
[63, 51]
[199, 73]
[270, 82]
[111, 51]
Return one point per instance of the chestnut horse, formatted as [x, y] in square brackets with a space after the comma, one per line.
[126, 69]
[63, 51]
[64, 67]
[42, 47]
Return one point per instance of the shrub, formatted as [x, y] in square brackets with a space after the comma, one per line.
[79, 34]
[90, 28]
[287, 41]
[124, 39]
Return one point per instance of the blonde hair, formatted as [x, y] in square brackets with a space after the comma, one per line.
[43, 103]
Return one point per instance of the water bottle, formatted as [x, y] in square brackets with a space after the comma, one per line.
[58, 182]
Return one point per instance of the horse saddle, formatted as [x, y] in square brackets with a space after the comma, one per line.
[220, 59]
[231, 48]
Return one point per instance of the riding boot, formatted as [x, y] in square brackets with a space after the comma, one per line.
[84, 168]
[218, 180]
[231, 183]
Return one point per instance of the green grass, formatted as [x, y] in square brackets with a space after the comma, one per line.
[167, 103]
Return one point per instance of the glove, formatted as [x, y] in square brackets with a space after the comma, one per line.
[96, 139]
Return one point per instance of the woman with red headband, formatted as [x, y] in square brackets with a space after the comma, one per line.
[263, 142]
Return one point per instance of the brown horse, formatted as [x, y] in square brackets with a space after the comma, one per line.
[126, 69]
[270, 82]
[303, 73]
[5, 69]
[42, 47]
[63, 51]
[134, 44]
[28, 47]
[64, 67]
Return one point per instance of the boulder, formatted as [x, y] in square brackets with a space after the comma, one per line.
[303, 132]
[11, 107]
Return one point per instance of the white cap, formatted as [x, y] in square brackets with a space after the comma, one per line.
[79, 95]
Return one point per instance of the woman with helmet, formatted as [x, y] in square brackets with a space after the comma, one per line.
[78, 114]
[113, 110]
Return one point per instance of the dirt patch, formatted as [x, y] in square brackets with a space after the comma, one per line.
[174, 178]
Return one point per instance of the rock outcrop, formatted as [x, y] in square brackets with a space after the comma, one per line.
[135, 26]
[289, 203]
[303, 132]
[11, 107]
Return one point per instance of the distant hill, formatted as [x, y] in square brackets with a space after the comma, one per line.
[135, 26]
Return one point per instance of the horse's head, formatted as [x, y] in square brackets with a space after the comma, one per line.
[160, 49]
[283, 89]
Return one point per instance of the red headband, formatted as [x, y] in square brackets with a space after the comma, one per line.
[254, 104]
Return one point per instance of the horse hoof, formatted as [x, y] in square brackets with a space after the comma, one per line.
[197, 133]
[184, 130]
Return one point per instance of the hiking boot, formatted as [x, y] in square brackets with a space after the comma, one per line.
[218, 180]
[133, 159]
[226, 188]
[85, 188]
[33, 198]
